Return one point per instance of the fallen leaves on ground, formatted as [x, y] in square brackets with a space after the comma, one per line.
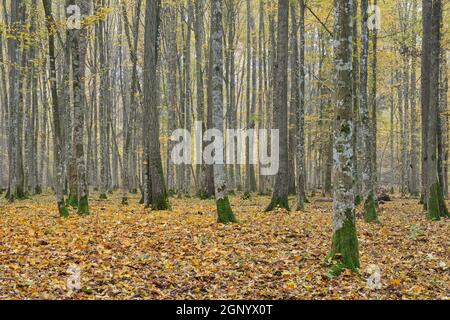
[126, 252]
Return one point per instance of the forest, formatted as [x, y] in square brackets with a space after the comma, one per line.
[224, 149]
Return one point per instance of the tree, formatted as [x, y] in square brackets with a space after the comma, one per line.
[344, 247]
[129, 114]
[58, 145]
[250, 180]
[300, 115]
[370, 208]
[414, 188]
[199, 39]
[432, 11]
[155, 194]
[78, 39]
[281, 188]
[224, 211]
[15, 189]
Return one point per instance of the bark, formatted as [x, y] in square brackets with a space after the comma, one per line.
[209, 172]
[250, 183]
[155, 194]
[436, 207]
[370, 212]
[188, 93]
[129, 122]
[300, 160]
[357, 140]
[172, 58]
[14, 56]
[57, 130]
[280, 192]
[344, 246]
[78, 38]
[294, 98]
[425, 94]
[199, 40]
[373, 103]
[414, 186]
[224, 211]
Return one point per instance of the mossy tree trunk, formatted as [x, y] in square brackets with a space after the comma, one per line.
[344, 248]
[432, 11]
[224, 211]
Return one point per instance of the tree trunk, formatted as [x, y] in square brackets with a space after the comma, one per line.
[281, 189]
[370, 209]
[414, 190]
[155, 194]
[344, 246]
[432, 12]
[224, 211]
[57, 131]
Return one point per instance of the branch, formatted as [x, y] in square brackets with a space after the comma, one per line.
[320, 21]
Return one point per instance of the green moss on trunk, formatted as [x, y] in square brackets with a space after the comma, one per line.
[278, 202]
[83, 206]
[442, 206]
[72, 201]
[224, 211]
[433, 202]
[370, 209]
[436, 207]
[161, 202]
[20, 194]
[63, 211]
[344, 249]
[358, 200]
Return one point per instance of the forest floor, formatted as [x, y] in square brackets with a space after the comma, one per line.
[125, 252]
